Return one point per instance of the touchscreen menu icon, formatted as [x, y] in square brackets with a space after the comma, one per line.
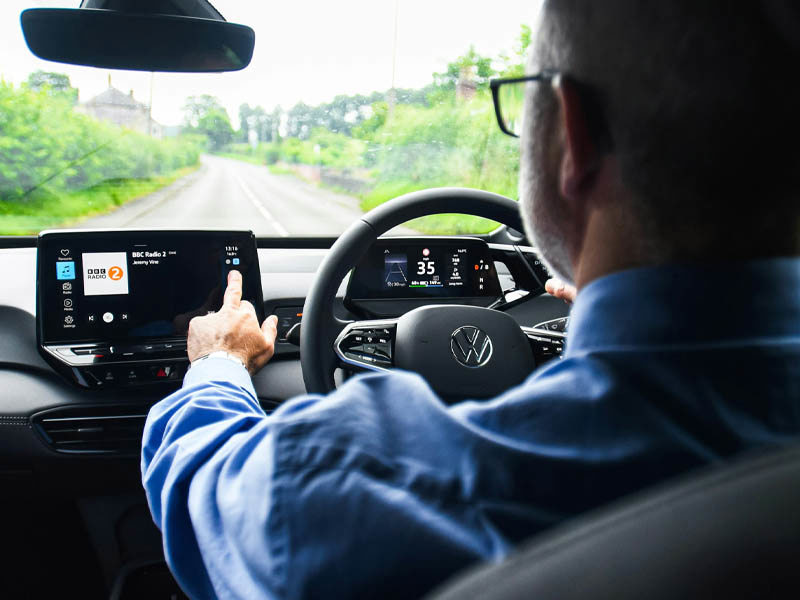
[65, 270]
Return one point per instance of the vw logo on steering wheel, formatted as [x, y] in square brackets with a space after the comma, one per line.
[471, 346]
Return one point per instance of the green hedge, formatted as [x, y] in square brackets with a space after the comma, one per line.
[48, 148]
[324, 148]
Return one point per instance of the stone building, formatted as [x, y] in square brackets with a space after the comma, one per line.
[122, 110]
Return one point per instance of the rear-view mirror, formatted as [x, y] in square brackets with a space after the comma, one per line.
[139, 41]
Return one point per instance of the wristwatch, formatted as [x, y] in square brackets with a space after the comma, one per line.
[218, 354]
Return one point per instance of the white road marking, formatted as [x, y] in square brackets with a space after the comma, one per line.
[261, 208]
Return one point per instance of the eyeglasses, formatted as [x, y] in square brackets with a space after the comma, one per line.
[509, 100]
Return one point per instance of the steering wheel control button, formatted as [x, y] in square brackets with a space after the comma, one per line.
[471, 346]
[546, 344]
[558, 325]
[108, 317]
[367, 344]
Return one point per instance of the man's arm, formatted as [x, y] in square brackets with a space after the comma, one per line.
[357, 494]
[185, 435]
[311, 499]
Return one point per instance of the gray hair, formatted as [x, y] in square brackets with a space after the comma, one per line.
[700, 102]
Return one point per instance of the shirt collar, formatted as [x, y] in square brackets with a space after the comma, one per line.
[680, 304]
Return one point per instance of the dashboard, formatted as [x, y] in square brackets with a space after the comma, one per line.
[60, 405]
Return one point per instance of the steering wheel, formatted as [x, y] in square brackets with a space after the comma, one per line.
[462, 351]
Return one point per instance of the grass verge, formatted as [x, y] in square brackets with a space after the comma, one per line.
[248, 158]
[275, 169]
[45, 209]
[281, 169]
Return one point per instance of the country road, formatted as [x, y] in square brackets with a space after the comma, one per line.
[226, 193]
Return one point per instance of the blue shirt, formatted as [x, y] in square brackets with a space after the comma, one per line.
[380, 490]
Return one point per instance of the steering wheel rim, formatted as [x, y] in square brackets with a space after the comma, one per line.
[319, 324]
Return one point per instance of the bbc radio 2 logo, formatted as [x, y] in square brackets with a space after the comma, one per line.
[105, 273]
[113, 273]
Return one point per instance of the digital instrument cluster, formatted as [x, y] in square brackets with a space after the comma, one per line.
[113, 307]
[425, 268]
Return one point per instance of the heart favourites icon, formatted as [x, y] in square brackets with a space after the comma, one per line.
[64, 251]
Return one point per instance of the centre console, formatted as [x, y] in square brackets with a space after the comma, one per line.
[113, 306]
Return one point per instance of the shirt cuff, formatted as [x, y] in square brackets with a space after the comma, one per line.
[218, 369]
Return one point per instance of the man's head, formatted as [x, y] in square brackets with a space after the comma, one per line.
[671, 134]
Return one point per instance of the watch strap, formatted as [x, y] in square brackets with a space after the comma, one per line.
[219, 354]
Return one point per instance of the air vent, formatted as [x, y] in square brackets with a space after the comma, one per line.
[98, 430]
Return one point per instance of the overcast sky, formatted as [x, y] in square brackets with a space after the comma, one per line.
[309, 51]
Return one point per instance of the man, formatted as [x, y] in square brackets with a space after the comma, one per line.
[656, 177]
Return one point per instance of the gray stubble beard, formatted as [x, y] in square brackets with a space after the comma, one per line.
[539, 190]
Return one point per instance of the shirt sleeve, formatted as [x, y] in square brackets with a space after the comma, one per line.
[184, 433]
[319, 498]
[379, 489]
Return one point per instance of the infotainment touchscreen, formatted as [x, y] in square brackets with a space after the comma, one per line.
[137, 285]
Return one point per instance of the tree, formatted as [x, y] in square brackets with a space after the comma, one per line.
[300, 121]
[206, 115]
[257, 120]
[367, 128]
[52, 83]
[216, 126]
[196, 107]
[470, 67]
[513, 65]
[276, 118]
[244, 126]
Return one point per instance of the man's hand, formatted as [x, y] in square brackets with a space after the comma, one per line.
[559, 289]
[234, 329]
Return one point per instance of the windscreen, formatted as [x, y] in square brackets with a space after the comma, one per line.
[344, 106]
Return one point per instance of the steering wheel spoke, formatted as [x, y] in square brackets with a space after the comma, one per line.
[367, 345]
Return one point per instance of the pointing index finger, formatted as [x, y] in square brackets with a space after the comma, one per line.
[233, 293]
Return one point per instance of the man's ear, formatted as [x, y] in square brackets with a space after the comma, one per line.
[581, 160]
